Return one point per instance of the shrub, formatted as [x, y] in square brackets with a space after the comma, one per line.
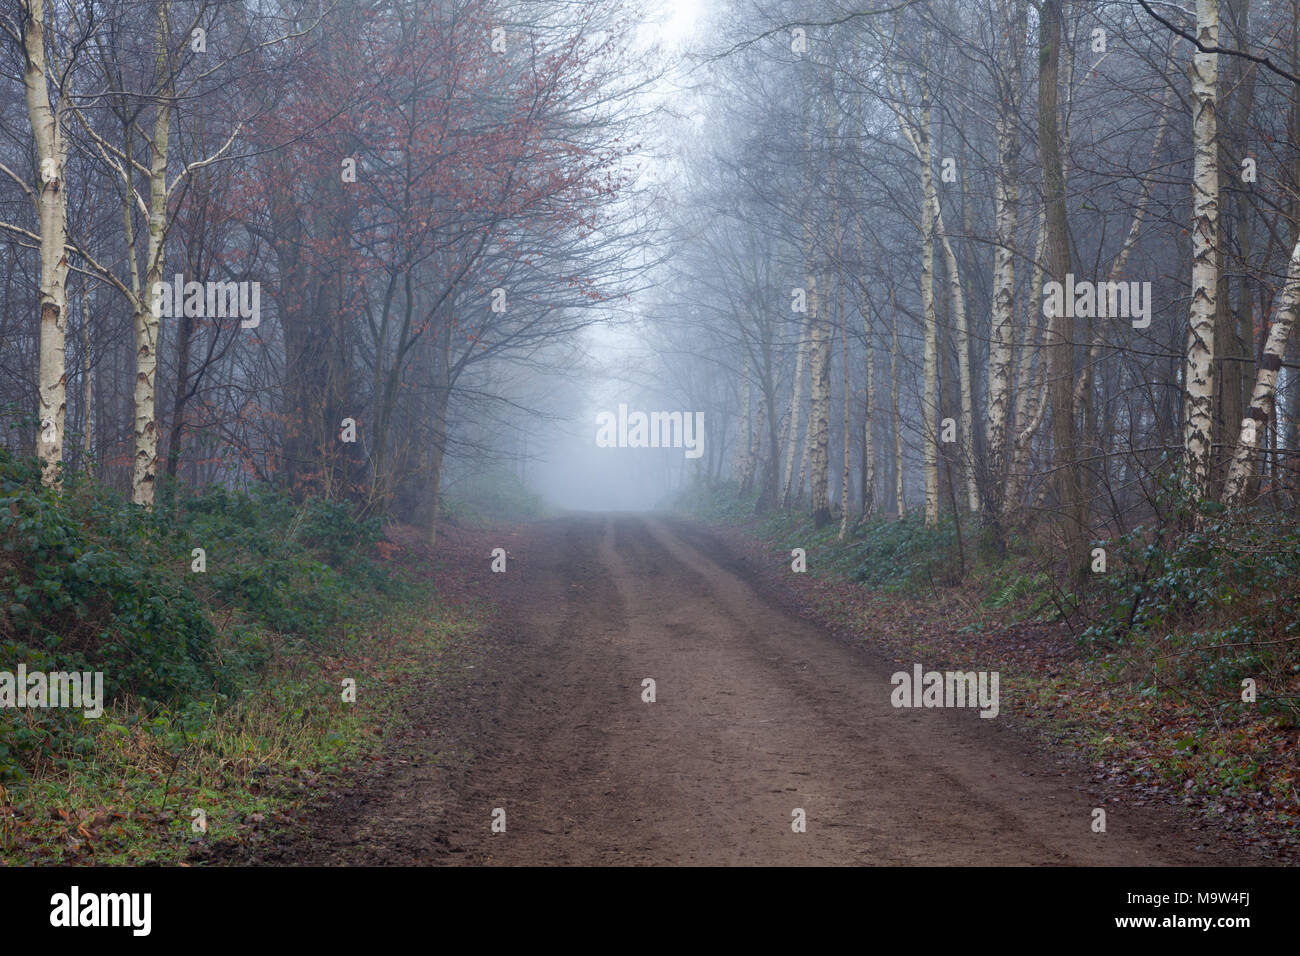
[98, 599]
[1217, 603]
[89, 581]
[907, 553]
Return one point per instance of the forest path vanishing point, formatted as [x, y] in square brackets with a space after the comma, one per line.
[757, 713]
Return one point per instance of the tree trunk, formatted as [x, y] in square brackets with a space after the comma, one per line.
[918, 136]
[772, 463]
[184, 333]
[740, 457]
[147, 321]
[848, 405]
[1029, 378]
[52, 216]
[1264, 397]
[755, 439]
[930, 397]
[819, 409]
[957, 299]
[868, 422]
[441, 343]
[796, 397]
[819, 417]
[1006, 205]
[1060, 337]
[899, 508]
[1243, 332]
[1198, 414]
[87, 386]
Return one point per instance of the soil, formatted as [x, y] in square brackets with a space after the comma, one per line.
[758, 713]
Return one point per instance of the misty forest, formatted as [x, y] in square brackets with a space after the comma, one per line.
[762, 377]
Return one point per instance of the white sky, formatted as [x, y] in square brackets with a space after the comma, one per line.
[571, 471]
[671, 21]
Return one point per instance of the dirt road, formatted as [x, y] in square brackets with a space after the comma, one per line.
[757, 713]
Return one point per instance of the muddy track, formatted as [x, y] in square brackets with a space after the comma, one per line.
[758, 712]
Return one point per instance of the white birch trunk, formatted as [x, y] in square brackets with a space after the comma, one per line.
[52, 215]
[958, 299]
[819, 412]
[918, 135]
[1025, 421]
[796, 396]
[929, 400]
[1264, 397]
[1198, 413]
[820, 408]
[1006, 206]
[147, 321]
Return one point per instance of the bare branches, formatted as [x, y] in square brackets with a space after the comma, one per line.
[1191, 38]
